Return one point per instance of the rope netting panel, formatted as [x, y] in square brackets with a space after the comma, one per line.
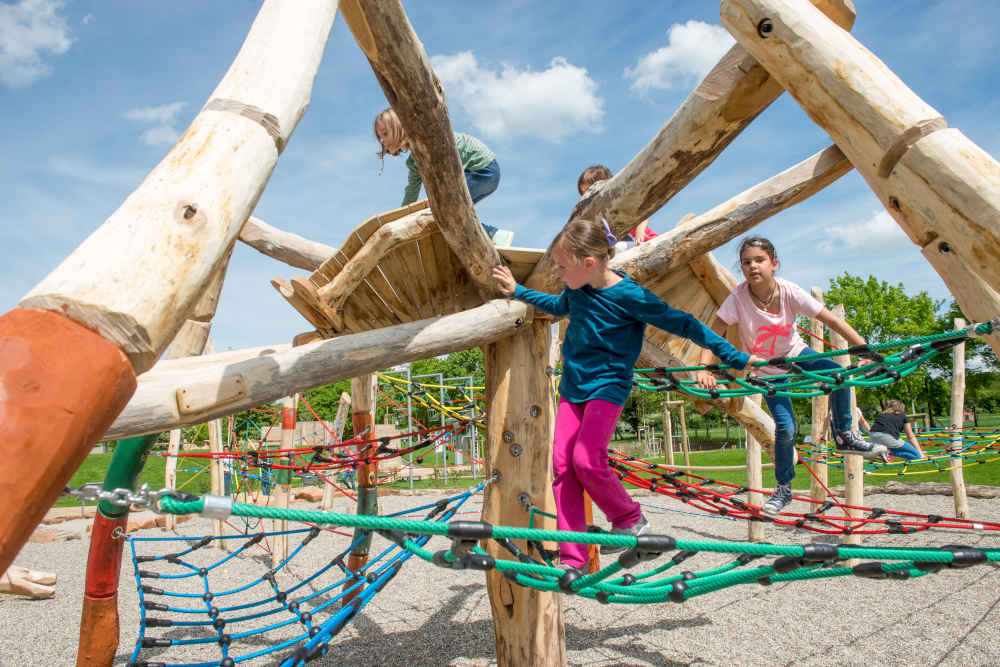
[661, 582]
[878, 370]
[944, 449]
[210, 599]
[829, 517]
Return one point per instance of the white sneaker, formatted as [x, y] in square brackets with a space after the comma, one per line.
[502, 238]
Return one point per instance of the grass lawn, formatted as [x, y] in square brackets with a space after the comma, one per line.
[193, 476]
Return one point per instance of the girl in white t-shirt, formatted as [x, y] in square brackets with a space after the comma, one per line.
[765, 308]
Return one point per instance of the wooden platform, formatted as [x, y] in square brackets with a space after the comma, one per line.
[396, 267]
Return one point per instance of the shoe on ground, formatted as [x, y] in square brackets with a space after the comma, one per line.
[640, 527]
[779, 499]
[502, 238]
[848, 442]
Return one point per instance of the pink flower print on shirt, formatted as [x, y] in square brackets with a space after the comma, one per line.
[769, 333]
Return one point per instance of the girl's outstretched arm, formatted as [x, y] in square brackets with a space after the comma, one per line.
[841, 326]
[505, 280]
[705, 379]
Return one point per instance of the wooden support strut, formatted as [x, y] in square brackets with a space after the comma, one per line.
[171, 233]
[403, 69]
[735, 92]
[942, 189]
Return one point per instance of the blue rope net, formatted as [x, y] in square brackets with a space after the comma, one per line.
[206, 600]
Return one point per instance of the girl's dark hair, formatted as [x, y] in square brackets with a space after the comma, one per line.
[758, 242]
[897, 406]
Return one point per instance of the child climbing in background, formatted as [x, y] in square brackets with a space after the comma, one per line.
[640, 234]
[482, 171]
[885, 431]
[608, 313]
[765, 308]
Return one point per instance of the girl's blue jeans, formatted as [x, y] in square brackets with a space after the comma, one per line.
[482, 183]
[784, 419]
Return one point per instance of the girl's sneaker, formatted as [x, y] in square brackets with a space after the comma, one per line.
[502, 238]
[849, 442]
[779, 499]
[640, 527]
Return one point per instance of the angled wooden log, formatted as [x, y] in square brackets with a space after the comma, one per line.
[403, 69]
[942, 189]
[707, 231]
[183, 392]
[735, 92]
[527, 623]
[339, 420]
[135, 279]
[283, 246]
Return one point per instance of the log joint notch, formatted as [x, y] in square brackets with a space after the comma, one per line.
[268, 121]
[905, 140]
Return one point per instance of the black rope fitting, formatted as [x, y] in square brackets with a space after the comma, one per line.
[676, 593]
[603, 597]
[159, 623]
[865, 352]
[465, 534]
[628, 579]
[569, 577]
[786, 564]
[818, 553]
[647, 547]
[963, 556]
[870, 570]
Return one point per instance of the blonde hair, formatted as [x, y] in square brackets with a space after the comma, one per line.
[896, 405]
[591, 175]
[396, 132]
[585, 237]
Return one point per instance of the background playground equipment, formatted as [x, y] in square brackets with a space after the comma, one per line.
[934, 182]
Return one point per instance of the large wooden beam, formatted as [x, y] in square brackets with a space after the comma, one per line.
[527, 623]
[707, 231]
[735, 92]
[135, 279]
[283, 246]
[183, 392]
[402, 67]
[942, 189]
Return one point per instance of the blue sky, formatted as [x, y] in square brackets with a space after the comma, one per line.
[95, 93]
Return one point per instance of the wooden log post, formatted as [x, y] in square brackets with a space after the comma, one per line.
[668, 432]
[283, 489]
[820, 409]
[527, 624]
[339, 420]
[955, 471]
[755, 478]
[404, 71]
[685, 443]
[363, 421]
[854, 473]
[170, 473]
[190, 209]
[730, 96]
[942, 189]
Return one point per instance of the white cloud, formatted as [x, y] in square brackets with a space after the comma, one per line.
[550, 105]
[877, 233]
[162, 118]
[692, 50]
[29, 29]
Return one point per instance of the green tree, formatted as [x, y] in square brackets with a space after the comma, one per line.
[882, 313]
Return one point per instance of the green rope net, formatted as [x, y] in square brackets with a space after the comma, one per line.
[661, 583]
[884, 368]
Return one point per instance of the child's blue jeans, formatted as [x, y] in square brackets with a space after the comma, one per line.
[897, 447]
[784, 419]
[482, 183]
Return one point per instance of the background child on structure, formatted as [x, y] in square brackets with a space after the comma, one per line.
[641, 233]
[608, 313]
[765, 308]
[482, 171]
[885, 431]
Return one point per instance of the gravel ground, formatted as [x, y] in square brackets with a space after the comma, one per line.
[434, 616]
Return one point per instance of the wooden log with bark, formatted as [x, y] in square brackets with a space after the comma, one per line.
[403, 69]
[942, 189]
[283, 246]
[735, 92]
[185, 391]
